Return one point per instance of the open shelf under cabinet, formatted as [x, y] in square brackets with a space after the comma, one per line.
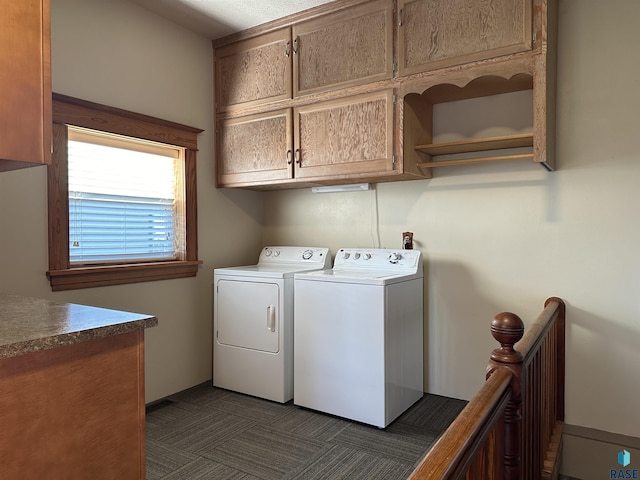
[476, 145]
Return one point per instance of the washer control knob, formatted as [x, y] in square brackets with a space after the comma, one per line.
[395, 257]
[356, 255]
[367, 256]
[307, 254]
[267, 252]
[346, 255]
[276, 253]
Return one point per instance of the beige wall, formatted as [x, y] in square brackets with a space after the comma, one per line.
[494, 237]
[116, 53]
[507, 236]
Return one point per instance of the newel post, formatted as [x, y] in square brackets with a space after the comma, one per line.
[507, 328]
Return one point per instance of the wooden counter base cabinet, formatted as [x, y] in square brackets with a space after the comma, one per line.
[74, 412]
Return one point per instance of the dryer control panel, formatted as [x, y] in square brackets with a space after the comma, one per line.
[291, 255]
[378, 259]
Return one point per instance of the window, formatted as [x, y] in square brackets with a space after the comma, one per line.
[122, 203]
[125, 199]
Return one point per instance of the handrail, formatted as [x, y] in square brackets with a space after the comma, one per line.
[451, 454]
[535, 332]
[511, 428]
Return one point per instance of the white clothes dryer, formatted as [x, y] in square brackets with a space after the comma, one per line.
[358, 335]
[253, 321]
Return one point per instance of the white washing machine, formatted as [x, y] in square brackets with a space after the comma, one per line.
[358, 335]
[253, 321]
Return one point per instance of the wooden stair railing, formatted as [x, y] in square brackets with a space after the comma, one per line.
[511, 429]
[543, 350]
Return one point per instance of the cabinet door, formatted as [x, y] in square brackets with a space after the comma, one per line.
[25, 84]
[435, 34]
[254, 71]
[349, 136]
[255, 149]
[350, 47]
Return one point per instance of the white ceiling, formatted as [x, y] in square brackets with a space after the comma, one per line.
[217, 18]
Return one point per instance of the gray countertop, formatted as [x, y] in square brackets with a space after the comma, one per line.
[33, 324]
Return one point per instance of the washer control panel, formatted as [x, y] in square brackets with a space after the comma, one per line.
[377, 258]
[287, 254]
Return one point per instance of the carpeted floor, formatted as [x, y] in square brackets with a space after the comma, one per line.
[209, 433]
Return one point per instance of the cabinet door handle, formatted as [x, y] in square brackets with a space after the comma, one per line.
[287, 50]
[400, 17]
[295, 45]
[288, 157]
[297, 157]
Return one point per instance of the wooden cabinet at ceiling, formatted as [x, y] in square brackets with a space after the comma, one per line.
[350, 47]
[533, 70]
[438, 34]
[465, 50]
[254, 71]
[25, 79]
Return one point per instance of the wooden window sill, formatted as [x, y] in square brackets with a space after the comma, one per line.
[99, 276]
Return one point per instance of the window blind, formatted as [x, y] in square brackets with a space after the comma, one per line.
[123, 205]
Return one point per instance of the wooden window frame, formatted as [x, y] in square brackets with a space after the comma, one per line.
[81, 113]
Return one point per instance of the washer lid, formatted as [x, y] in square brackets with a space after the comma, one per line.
[362, 277]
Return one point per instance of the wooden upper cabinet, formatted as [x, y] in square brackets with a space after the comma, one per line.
[434, 34]
[320, 142]
[350, 47]
[256, 149]
[345, 137]
[335, 94]
[25, 84]
[254, 71]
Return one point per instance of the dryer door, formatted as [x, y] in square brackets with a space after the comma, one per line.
[248, 314]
